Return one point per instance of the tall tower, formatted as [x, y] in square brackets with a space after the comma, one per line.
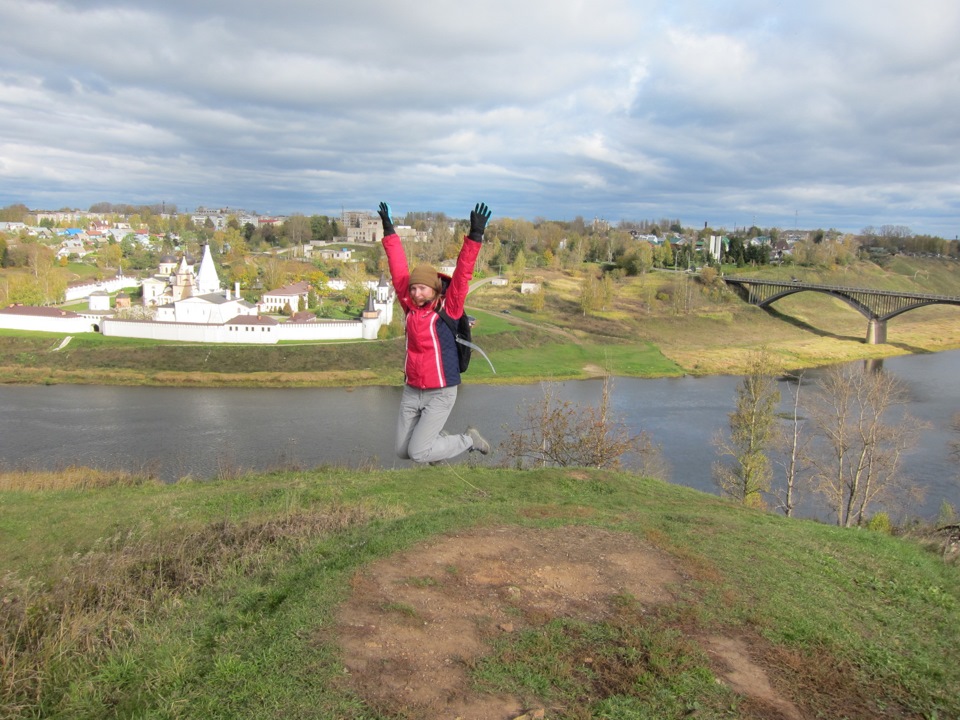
[207, 279]
[183, 281]
[370, 319]
[384, 301]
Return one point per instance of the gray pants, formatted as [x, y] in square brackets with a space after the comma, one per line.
[423, 414]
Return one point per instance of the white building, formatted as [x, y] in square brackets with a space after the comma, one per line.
[99, 301]
[295, 295]
[44, 319]
[210, 309]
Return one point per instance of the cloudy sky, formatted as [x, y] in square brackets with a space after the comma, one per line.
[808, 113]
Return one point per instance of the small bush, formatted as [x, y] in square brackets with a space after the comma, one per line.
[880, 523]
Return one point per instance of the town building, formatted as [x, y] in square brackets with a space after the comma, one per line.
[185, 302]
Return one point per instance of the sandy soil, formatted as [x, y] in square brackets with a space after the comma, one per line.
[417, 620]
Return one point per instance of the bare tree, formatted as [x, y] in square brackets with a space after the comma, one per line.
[861, 451]
[795, 458]
[753, 427]
[557, 432]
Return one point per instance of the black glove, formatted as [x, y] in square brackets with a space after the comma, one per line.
[384, 213]
[478, 221]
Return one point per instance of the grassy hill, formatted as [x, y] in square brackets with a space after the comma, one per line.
[461, 591]
[659, 324]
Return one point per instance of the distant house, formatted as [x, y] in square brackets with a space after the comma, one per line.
[72, 246]
[529, 288]
[343, 254]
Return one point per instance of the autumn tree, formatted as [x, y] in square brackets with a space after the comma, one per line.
[22, 288]
[589, 293]
[752, 430]
[862, 439]
[356, 291]
[519, 265]
[323, 228]
[663, 254]
[17, 212]
[538, 299]
[274, 274]
[298, 229]
[109, 256]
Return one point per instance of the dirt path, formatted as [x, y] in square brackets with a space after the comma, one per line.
[417, 620]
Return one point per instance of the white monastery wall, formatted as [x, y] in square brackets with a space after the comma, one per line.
[47, 324]
[234, 333]
[79, 292]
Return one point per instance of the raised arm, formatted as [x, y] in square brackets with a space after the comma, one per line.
[460, 283]
[396, 257]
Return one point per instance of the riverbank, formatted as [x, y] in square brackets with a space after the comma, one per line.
[657, 325]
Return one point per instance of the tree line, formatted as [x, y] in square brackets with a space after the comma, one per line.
[843, 440]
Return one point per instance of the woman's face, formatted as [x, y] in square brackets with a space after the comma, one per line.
[422, 294]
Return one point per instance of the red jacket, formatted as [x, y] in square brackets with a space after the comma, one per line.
[431, 361]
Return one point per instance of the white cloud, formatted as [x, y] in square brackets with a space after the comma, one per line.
[839, 113]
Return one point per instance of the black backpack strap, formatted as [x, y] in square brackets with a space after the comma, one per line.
[451, 323]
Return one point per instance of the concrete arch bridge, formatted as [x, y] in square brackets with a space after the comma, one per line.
[877, 306]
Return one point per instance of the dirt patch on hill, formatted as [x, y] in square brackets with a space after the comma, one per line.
[418, 620]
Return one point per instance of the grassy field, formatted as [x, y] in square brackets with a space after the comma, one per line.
[644, 332]
[227, 600]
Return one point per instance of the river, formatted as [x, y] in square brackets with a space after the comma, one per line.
[178, 432]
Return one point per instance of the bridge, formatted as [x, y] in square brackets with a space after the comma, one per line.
[877, 306]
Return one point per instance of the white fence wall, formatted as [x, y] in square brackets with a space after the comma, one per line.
[78, 292]
[189, 332]
[322, 330]
[70, 325]
[246, 334]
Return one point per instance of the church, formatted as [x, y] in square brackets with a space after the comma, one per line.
[190, 306]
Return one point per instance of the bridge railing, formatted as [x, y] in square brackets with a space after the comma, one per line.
[841, 288]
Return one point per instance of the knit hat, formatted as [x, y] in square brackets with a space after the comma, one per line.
[426, 275]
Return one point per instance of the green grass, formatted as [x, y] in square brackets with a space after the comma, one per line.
[556, 361]
[642, 668]
[219, 599]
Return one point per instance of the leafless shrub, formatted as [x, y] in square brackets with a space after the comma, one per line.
[561, 433]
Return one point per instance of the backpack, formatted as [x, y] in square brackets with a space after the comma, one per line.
[464, 337]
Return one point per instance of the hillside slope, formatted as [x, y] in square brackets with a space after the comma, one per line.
[463, 591]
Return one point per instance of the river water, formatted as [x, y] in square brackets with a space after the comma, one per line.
[179, 432]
